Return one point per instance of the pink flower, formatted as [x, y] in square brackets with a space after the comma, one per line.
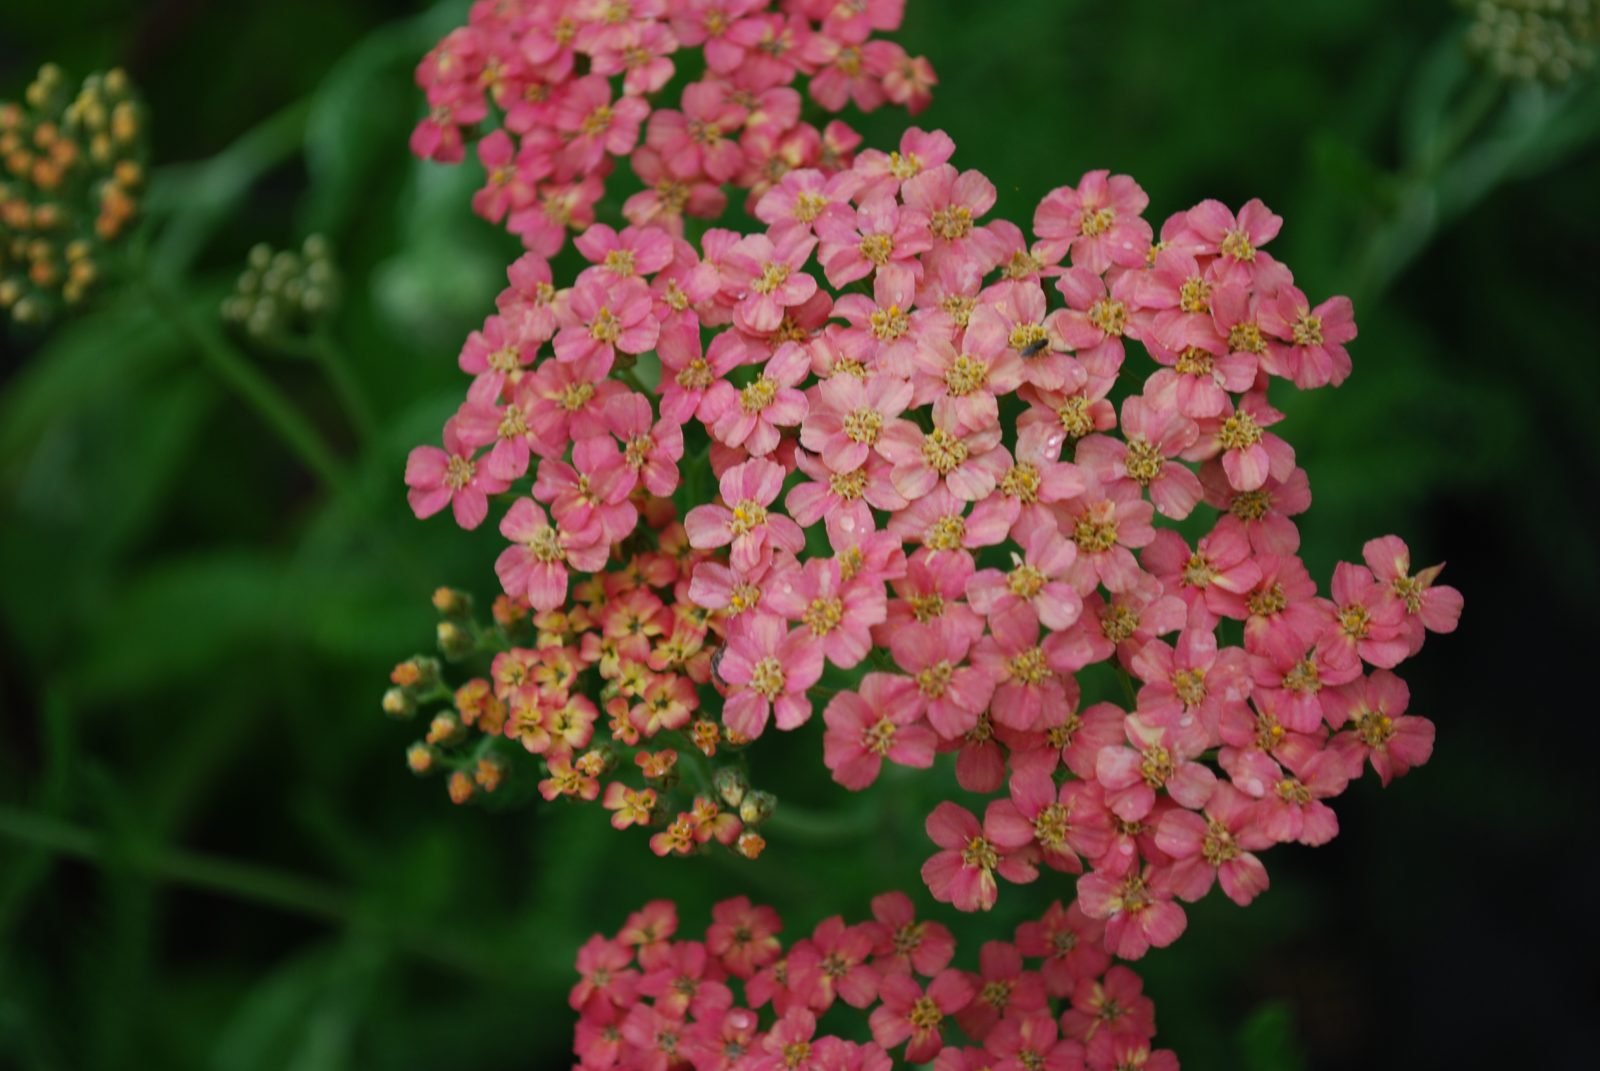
[1379, 729]
[589, 498]
[769, 669]
[834, 964]
[1250, 454]
[879, 236]
[1236, 241]
[1263, 514]
[1114, 1005]
[1309, 343]
[751, 416]
[1292, 808]
[1061, 823]
[767, 277]
[535, 565]
[595, 123]
[968, 463]
[963, 874]
[905, 944]
[697, 141]
[1098, 222]
[838, 614]
[1138, 915]
[633, 254]
[1038, 578]
[1030, 1042]
[879, 721]
[1218, 845]
[910, 1015]
[1368, 625]
[437, 478]
[847, 417]
[650, 449]
[753, 531]
[1155, 435]
[1429, 608]
[1105, 522]
[1028, 694]
[604, 319]
[1157, 760]
[743, 937]
[1069, 943]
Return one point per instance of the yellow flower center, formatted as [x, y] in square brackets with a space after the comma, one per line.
[766, 678]
[1239, 432]
[606, 328]
[1029, 667]
[1021, 482]
[943, 452]
[747, 516]
[848, 485]
[1236, 244]
[889, 324]
[933, 681]
[877, 248]
[1095, 222]
[951, 222]
[458, 472]
[1194, 295]
[947, 533]
[1156, 765]
[696, 375]
[773, 275]
[823, 615]
[965, 375]
[758, 395]
[1025, 581]
[863, 426]
[575, 396]
[1109, 315]
[808, 206]
[620, 262]
[1143, 462]
[1308, 330]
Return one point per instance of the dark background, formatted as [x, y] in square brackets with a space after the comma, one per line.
[194, 636]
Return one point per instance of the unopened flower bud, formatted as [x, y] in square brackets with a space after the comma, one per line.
[397, 703]
[757, 807]
[750, 844]
[455, 642]
[731, 784]
[461, 787]
[451, 602]
[420, 757]
[444, 728]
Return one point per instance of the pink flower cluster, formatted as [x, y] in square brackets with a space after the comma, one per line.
[926, 490]
[572, 80]
[739, 1000]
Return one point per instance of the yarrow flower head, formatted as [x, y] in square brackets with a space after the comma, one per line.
[914, 467]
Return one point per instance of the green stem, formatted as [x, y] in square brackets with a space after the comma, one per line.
[820, 827]
[352, 396]
[631, 378]
[242, 881]
[246, 380]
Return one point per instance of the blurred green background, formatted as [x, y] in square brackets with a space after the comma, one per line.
[211, 853]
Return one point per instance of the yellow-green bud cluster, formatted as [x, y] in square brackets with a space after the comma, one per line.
[71, 170]
[1535, 40]
[284, 292]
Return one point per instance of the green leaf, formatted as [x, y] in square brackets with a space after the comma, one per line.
[1267, 1040]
